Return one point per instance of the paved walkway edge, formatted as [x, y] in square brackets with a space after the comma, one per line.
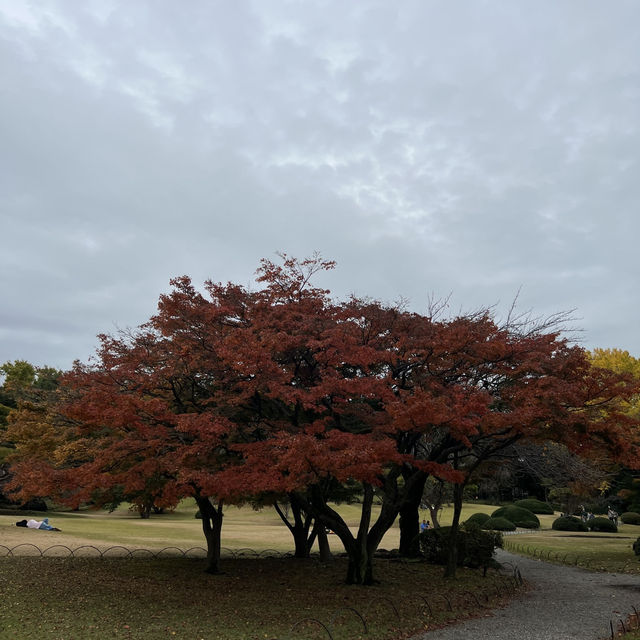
[564, 603]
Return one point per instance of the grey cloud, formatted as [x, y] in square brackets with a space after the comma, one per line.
[428, 147]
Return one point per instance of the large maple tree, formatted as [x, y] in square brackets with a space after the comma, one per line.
[153, 412]
[232, 393]
[407, 396]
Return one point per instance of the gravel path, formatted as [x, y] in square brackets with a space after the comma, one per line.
[564, 604]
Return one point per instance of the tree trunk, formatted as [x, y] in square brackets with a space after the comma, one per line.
[299, 528]
[360, 569]
[410, 517]
[145, 511]
[323, 542]
[360, 548]
[212, 529]
[409, 528]
[433, 512]
[452, 560]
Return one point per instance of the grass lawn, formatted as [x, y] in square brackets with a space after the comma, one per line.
[66, 598]
[598, 551]
[62, 598]
[243, 527]
[140, 597]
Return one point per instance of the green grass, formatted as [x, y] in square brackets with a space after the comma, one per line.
[243, 527]
[62, 598]
[67, 598]
[58, 598]
[599, 551]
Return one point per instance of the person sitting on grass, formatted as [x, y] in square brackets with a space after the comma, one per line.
[35, 524]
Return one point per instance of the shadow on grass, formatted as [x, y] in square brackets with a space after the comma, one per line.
[255, 598]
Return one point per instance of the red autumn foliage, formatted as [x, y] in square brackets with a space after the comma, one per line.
[283, 390]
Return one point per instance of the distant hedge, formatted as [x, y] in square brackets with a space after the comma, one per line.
[477, 518]
[499, 524]
[519, 516]
[602, 524]
[535, 506]
[569, 523]
[630, 517]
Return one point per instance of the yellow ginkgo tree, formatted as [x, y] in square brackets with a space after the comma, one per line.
[627, 484]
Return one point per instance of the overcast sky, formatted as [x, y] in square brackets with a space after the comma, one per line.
[474, 148]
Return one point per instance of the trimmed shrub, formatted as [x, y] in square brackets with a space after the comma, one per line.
[519, 516]
[569, 523]
[477, 518]
[636, 547]
[535, 506]
[499, 524]
[602, 524]
[476, 548]
[630, 517]
[434, 544]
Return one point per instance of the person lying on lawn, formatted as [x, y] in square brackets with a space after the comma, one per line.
[36, 524]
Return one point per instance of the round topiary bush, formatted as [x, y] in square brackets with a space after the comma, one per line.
[519, 516]
[602, 524]
[499, 524]
[535, 506]
[476, 548]
[630, 517]
[477, 518]
[569, 523]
